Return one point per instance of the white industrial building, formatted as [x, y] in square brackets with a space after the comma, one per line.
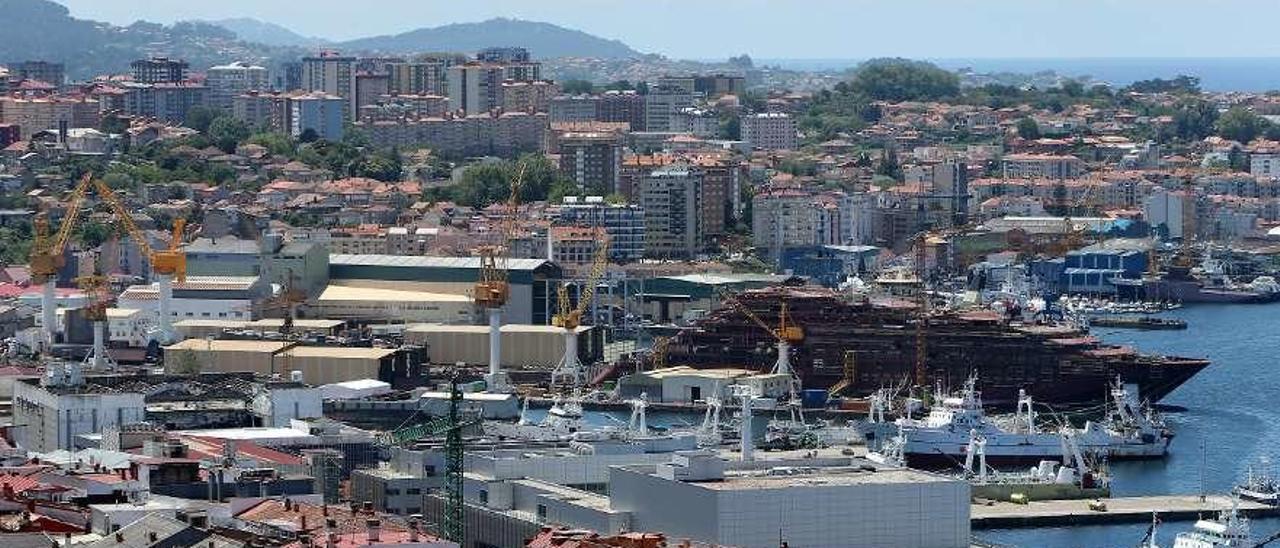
[827, 502]
[382, 304]
[205, 297]
[684, 384]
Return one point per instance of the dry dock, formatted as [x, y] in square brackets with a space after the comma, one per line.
[1119, 510]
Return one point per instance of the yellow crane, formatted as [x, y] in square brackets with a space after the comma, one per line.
[166, 264]
[569, 317]
[97, 289]
[493, 288]
[46, 256]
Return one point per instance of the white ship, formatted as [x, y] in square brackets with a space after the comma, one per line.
[1228, 530]
[1259, 485]
[941, 439]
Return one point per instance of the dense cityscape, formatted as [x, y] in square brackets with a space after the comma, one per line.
[506, 284]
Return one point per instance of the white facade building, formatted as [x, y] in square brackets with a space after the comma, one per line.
[227, 81]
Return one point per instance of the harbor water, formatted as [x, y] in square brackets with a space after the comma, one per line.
[1227, 419]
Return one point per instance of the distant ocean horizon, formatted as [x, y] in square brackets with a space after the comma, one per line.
[1253, 74]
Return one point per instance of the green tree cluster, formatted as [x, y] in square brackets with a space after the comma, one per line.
[487, 183]
[904, 80]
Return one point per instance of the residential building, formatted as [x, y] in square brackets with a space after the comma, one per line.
[505, 134]
[35, 115]
[423, 76]
[722, 179]
[698, 122]
[334, 74]
[1041, 166]
[319, 112]
[290, 76]
[672, 200]
[770, 131]
[713, 86]
[263, 109]
[575, 246]
[661, 106]
[786, 218]
[592, 160]
[476, 87]
[9, 134]
[623, 106]
[225, 82]
[42, 71]
[528, 96]
[624, 223]
[1264, 159]
[370, 88]
[158, 70]
[504, 55]
[574, 108]
[400, 107]
[166, 101]
[1170, 214]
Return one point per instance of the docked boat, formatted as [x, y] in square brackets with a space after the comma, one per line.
[1260, 486]
[1138, 322]
[1072, 479]
[941, 439]
[1228, 530]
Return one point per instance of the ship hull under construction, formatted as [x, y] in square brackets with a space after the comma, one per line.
[1060, 365]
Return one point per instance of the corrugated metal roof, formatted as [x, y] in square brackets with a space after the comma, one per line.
[429, 262]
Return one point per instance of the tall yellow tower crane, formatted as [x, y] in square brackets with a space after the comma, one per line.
[46, 256]
[569, 318]
[493, 288]
[166, 264]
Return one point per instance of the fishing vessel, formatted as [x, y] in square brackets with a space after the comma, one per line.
[1228, 530]
[942, 438]
[1260, 486]
[1138, 322]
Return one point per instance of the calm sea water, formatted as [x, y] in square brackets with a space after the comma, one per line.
[1232, 419]
[1216, 74]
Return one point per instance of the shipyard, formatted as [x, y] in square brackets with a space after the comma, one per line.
[405, 274]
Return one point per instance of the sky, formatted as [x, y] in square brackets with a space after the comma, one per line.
[794, 29]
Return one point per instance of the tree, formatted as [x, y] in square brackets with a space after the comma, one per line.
[384, 167]
[577, 87]
[112, 124]
[92, 234]
[278, 144]
[308, 135]
[1194, 119]
[199, 118]
[1028, 129]
[904, 80]
[1183, 84]
[1240, 124]
[227, 132]
[730, 127]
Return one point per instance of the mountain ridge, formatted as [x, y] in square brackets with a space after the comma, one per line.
[542, 39]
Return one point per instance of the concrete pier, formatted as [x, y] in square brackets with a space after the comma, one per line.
[995, 515]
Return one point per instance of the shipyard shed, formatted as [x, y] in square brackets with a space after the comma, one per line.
[522, 345]
[222, 356]
[332, 364]
[533, 296]
[200, 328]
[373, 304]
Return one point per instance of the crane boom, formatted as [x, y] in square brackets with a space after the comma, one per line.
[117, 207]
[46, 250]
[491, 289]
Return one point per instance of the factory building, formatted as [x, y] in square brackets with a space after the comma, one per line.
[684, 384]
[288, 360]
[533, 296]
[209, 328]
[65, 410]
[522, 344]
[698, 495]
[371, 304]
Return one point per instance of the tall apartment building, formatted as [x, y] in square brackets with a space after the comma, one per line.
[334, 74]
[573, 108]
[422, 76]
[593, 160]
[624, 223]
[399, 107]
[504, 55]
[227, 81]
[770, 131]
[262, 109]
[476, 87]
[38, 114]
[623, 106]
[789, 217]
[718, 85]
[290, 76]
[166, 101]
[319, 112]
[721, 186]
[662, 104]
[44, 71]
[672, 200]
[370, 87]
[575, 246]
[156, 70]
[531, 97]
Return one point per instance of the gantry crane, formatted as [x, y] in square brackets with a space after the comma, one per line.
[785, 334]
[570, 317]
[493, 288]
[166, 264]
[46, 256]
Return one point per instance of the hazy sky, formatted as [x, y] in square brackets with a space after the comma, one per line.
[791, 28]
